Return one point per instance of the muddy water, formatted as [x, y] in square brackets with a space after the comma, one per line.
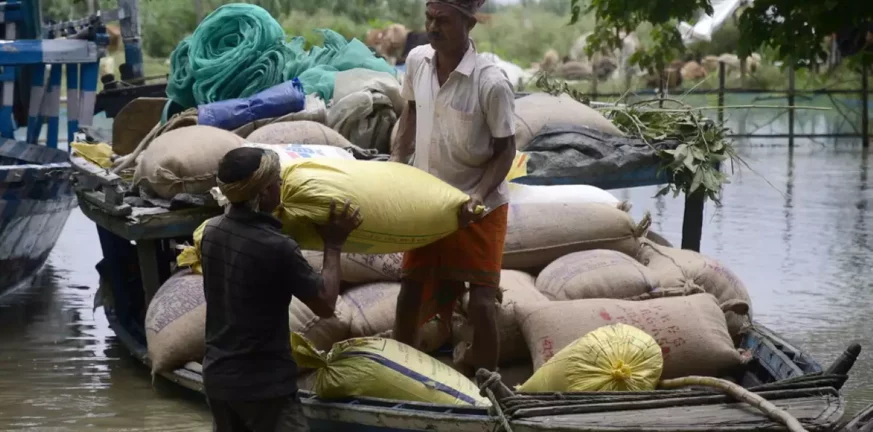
[797, 229]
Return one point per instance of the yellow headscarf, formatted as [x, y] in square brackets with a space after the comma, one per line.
[247, 190]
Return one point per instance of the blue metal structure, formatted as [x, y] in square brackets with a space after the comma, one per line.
[36, 194]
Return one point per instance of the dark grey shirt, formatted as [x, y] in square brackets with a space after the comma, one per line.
[251, 271]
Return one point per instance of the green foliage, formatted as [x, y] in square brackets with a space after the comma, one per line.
[618, 17]
[693, 165]
[796, 30]
[724, 40]
[522, 36]
[303, 24]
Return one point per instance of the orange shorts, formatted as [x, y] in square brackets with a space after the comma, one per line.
[473, 254]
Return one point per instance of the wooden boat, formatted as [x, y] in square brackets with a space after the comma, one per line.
[36, 198]
[778, 371]
[862, 422]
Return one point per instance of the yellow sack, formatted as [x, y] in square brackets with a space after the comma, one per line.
[519, 166]
[99, 154]
[190, 255]
[383, 368]
[618, 357]
[403, 207]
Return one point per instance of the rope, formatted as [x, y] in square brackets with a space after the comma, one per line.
[485, 390]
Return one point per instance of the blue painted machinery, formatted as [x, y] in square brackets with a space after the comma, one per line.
[40, 57]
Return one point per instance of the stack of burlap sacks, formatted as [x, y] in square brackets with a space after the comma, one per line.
[570, 268]
[574, 261]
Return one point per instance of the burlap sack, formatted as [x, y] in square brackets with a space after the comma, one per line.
[184, 160]
[298, 132]
[540, 233]
[691, 330]
[534, 111]
[372, 308]
[323, 332]
[361, 268]
[516, 288]
[176, 323]
[595, 274]
[679, 268]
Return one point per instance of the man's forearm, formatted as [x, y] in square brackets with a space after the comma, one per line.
[404, 144]
[498, 168]
[331, 275]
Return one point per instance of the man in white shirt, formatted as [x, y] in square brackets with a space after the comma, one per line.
[459, 125]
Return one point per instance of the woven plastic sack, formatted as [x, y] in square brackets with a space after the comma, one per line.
[190, 255]
[618, 357]
[383, 368]
[403, 207]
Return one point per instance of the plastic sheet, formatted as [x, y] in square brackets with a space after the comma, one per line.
[276, 101]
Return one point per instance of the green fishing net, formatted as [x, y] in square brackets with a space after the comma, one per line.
[317, 68]
[236, 51]
[239, 50]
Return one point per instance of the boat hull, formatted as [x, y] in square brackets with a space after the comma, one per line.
[36, 197]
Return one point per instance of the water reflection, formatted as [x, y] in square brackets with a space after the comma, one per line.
[61, 367]
[794, 228]
[804, 251]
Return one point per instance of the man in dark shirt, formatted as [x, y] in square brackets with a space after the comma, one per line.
[251, 271]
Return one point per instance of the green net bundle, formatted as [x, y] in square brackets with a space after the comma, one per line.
[239, 50]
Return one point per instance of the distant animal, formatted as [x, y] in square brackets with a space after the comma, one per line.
[672, 76]
[573, 70]
[710, 63]
[550, 61]
[604, 67]
[621, 57]
[692, 71]
[753, 62]
[413, 39]
[731, 61]
[388, 42]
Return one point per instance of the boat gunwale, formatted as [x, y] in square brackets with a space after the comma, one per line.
[190, 378]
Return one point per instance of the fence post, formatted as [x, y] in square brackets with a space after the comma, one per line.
[865, 102]
[791, 105]
[593, 85]
[692, 218]
[721, 80]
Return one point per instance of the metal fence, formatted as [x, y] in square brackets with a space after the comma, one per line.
[790, 94]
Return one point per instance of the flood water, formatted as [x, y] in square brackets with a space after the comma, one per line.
[795, 228]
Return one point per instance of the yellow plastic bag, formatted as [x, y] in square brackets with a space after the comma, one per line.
[519, 167]
[190, 255]
[403, 207]
[99, 154]
[383, 368]
[618, 357]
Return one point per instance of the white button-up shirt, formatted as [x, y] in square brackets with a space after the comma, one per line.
[455, 123]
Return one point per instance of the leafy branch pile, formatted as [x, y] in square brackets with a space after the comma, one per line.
[694, 164]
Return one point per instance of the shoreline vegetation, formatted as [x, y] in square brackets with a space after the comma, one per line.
[520, 34]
